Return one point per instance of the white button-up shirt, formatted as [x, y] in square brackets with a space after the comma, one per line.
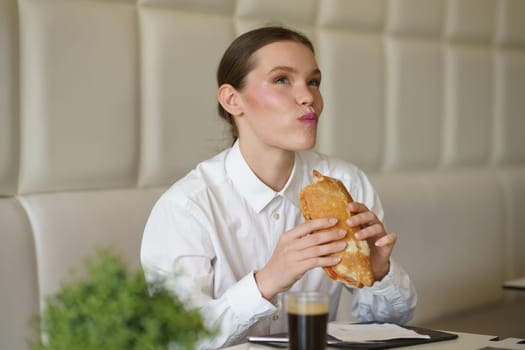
[219, 224]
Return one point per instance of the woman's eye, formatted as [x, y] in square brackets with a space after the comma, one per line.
[281, 80]
[314, 82]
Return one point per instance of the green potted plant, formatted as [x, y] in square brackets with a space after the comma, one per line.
[114, 309]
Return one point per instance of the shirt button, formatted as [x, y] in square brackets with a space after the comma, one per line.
[275, 317]
[276, 216]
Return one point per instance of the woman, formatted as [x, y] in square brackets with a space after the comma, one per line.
[233, 224]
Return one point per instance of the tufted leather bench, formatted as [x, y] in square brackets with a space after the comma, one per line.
[103, 104]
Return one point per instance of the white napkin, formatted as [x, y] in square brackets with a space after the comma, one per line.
[352, 332]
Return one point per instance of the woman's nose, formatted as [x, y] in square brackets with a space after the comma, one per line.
[305, 96]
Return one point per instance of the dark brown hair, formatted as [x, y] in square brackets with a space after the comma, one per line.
[238, 61]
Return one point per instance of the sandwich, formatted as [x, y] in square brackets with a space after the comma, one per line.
[328, 197]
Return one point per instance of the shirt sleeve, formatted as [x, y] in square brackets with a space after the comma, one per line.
[393, 299]
[177, 247]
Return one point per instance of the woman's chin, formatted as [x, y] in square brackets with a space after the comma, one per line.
[306, 144]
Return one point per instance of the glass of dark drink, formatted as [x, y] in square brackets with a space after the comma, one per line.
[307, 319]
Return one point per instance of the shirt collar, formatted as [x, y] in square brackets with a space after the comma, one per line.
[298, 179]
[254, 191]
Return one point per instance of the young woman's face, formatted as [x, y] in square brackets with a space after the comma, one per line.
[281, 102]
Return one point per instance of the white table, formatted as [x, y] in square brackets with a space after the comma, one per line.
[464, 341]
[518, 283]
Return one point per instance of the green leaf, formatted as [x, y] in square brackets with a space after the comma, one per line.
[114, 309]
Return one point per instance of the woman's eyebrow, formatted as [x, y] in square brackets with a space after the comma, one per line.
[282, 68]
[316, 71]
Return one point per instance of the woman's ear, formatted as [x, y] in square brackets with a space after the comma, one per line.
[228, 97]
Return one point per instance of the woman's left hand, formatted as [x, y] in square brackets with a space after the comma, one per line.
[370, 228]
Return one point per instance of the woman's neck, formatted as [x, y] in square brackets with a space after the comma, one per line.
[272, 166]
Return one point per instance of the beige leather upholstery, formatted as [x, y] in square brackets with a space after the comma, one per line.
[18, 275]
[103, 104]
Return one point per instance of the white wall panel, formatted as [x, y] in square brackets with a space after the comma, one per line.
[355, 15]
[180, 125]
[514, 225]
[414, 106]
[472, 20]
[468, 105]
[424, 18]
[223, 7]
[79, 94]
[510, 28]
[426, 95]
[453, 206]
[299, 15]
[9, 121]
[352, 123]
[509, 127]
[18, 277]
[286, 12]
[68, 227]
[243, 24]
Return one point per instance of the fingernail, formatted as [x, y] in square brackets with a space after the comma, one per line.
[341, 245]
[341, 233]
[358, 235]
[333, 220]
[336, 260]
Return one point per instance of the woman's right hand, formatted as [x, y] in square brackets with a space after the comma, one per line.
[304, 247]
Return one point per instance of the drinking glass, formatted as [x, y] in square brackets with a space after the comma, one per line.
[307, 319]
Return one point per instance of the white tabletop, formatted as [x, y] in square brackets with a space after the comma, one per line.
[518, 283]
[464, 341]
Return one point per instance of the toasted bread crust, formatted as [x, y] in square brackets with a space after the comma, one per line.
[328, 197]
